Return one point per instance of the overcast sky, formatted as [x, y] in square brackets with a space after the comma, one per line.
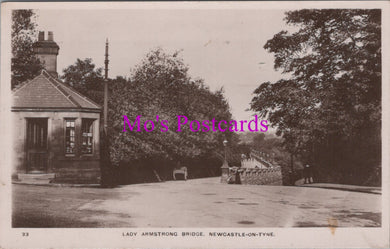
[224, 47]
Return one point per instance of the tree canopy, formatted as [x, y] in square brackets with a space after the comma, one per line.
[24, 64]
[329, 108]
[83, 76]
[160, 85]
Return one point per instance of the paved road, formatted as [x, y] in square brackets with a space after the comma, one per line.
[193, 203]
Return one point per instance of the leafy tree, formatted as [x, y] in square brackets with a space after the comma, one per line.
[83, 76]
[160, 85]
[258, 140]
[24, 64]
[328, 111]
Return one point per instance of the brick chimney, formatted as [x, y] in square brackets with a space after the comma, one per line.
[41, 36]
[50, 36]
[47, 51]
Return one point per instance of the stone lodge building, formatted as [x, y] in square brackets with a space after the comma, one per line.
[55, 128]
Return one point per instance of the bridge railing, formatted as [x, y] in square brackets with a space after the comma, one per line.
[254, 176]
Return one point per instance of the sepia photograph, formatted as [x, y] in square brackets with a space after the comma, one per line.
[163, 120]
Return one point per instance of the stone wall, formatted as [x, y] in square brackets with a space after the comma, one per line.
[254, 176]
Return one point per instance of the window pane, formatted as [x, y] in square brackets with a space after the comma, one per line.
[87, 138]
[70, 137]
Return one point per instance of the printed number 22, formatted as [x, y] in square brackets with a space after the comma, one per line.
[25, 234]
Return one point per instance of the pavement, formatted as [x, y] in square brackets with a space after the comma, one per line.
[194, 203]
[354, 188]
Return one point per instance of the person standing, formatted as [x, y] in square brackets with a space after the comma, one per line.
[312, 172]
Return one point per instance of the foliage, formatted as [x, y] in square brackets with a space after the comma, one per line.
[83, 76]
[161, 86]
[258, 139]
[24, 64]
[328, 111]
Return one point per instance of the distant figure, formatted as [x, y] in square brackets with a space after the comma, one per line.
[307, 174]
[237, 178]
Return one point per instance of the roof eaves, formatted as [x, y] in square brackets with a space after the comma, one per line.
[38, 109]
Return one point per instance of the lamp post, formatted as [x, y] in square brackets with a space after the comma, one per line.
[105, 88]
[106, 173]
[225, 142]
[225, 165]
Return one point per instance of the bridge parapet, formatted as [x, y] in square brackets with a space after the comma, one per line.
[254, 176]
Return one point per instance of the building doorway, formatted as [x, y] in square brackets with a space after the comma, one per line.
[36, 145]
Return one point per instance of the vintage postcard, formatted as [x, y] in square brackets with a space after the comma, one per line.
[194, 124]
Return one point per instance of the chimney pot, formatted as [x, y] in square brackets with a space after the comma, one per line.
[50, 36]
[41, 36]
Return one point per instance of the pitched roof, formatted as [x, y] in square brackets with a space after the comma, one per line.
[45, 91]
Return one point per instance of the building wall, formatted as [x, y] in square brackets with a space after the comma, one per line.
[77, 168]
